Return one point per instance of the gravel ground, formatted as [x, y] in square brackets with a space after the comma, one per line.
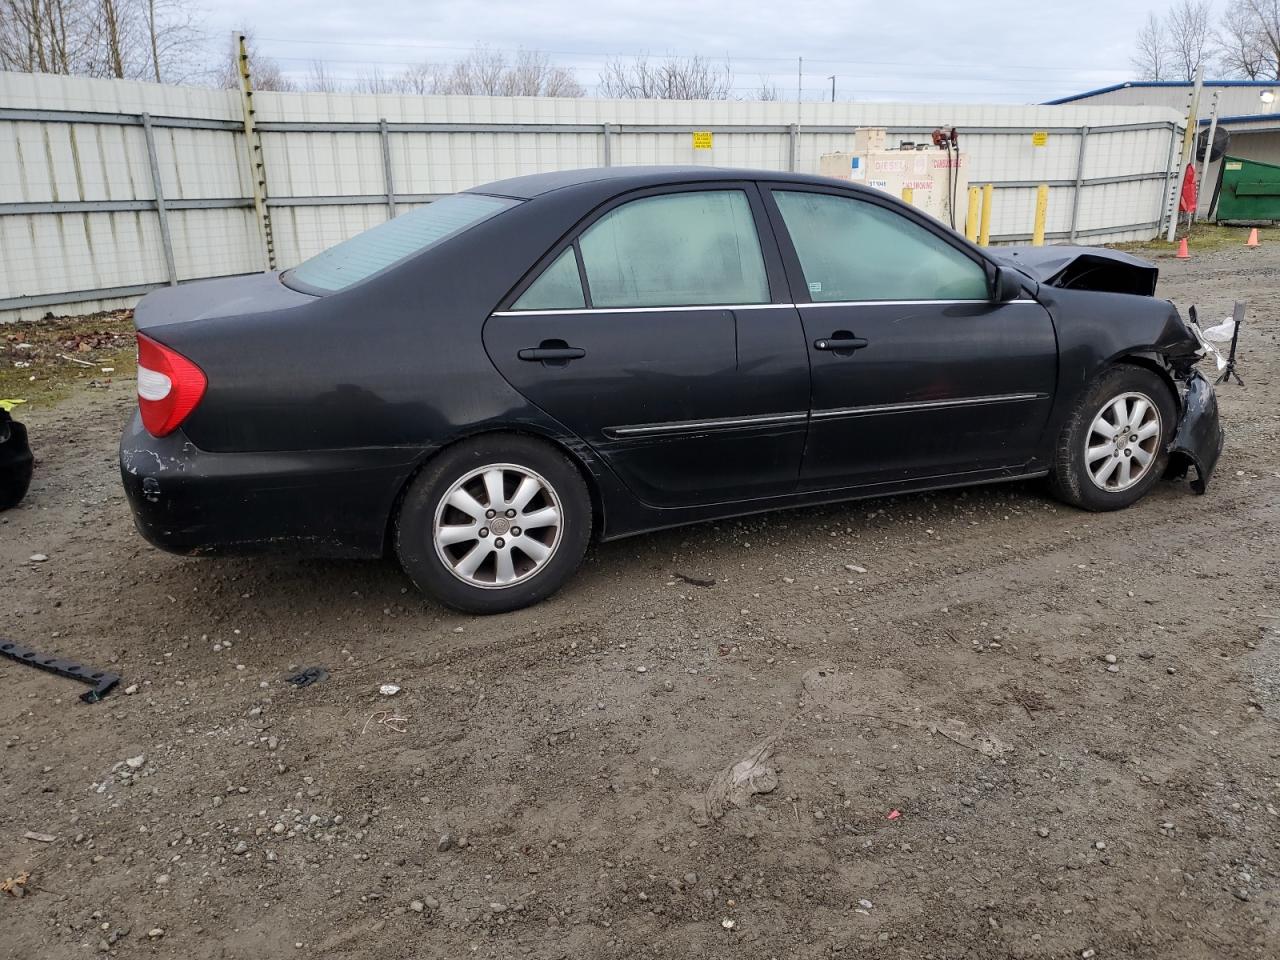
[958, 768]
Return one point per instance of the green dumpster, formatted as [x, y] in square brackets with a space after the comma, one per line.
[1250, 191]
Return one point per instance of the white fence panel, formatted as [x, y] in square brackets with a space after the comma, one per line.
[80, 224]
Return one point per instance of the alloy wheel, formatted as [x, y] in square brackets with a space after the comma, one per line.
[498, 525]
[1122, 442]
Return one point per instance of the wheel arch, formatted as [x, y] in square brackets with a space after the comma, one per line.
[1149, 361]
[532, 433]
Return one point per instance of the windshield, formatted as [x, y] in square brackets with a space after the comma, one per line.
[388, 243]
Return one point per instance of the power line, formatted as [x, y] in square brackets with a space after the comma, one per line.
[731, 58]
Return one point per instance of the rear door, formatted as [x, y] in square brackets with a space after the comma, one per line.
[664, 336]
[916, 373]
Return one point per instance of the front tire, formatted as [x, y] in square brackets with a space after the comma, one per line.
[1114, 446]
[494, 524]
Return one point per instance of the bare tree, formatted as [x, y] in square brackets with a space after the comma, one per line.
[674, 78]
[173, 40]
[265, 72]
[43, 36]
[134, 39]
[1151, 61]
[768, 90]
[1187, 28]
[483, 72]
[320, 80]
[1265, 15]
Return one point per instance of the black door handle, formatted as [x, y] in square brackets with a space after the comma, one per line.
[552, 352]
[841, 342]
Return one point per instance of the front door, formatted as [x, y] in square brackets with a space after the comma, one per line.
[655, 337]
[916, 373]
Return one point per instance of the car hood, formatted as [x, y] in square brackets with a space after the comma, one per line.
[1083, 268]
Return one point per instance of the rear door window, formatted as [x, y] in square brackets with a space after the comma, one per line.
[388, 243]
[674, 250]
[559, 287]
[856, 250]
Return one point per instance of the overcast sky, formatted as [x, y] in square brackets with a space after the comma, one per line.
[1000, 51]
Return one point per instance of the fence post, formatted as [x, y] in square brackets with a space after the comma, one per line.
[793, 144]
[1075, 199]
[253, 142]
[908, 195]
[1166, 201]
[607, 130]
[984, 234]
[971, 218]
[387, 179]
[1042, 213]
[166, 239]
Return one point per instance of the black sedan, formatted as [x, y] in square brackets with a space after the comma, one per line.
[487, 383]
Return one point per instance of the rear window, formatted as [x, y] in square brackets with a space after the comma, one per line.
[388, 243]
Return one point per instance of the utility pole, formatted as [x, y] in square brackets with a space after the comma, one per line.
[1208, 154]
[1188, 140]
[832, 78]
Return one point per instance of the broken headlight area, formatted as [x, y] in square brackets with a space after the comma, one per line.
[16, 461]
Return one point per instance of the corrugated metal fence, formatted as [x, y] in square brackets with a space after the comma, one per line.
[112, 188]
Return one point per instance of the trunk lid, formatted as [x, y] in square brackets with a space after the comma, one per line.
[211, 299]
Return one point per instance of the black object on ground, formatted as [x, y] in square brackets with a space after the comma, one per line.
[1229, 370]
[694, 581]
[101, 681]
[308, 676]
[16, 462]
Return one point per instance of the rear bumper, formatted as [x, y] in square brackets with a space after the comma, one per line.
[333, 503]
[1199, 439]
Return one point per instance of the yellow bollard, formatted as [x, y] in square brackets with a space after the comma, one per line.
[984, 236]
[908, 195]
[971, 221]
[1042, 212]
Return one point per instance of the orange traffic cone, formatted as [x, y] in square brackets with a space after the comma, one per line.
[1253, 238]
[1182, 250]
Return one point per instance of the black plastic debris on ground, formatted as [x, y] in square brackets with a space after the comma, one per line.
[101, 681]
[16, 462]
[308, 676]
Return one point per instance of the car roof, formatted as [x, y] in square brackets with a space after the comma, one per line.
[633, 178]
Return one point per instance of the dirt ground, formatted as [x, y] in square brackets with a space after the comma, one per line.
[543, 792]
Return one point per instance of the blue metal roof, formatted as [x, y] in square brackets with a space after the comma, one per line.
[1243, 118]
[1160, 83]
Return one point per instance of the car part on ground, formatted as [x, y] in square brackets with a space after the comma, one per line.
[633, 349]
[16, 461]
[307, 676]
[101, 681]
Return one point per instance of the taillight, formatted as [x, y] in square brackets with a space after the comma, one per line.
[169, 387]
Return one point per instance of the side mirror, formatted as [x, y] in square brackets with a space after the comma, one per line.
[1007, 286]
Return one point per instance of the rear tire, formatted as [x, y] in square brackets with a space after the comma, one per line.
[1113, 448]
[494, 524]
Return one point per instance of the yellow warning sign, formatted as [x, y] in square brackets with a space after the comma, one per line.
[702, 139]
[1039, 138]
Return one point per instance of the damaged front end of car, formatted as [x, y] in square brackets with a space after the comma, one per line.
[1177, 344]
[1198, 438]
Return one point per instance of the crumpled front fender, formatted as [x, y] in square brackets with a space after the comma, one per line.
[1198, 440]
